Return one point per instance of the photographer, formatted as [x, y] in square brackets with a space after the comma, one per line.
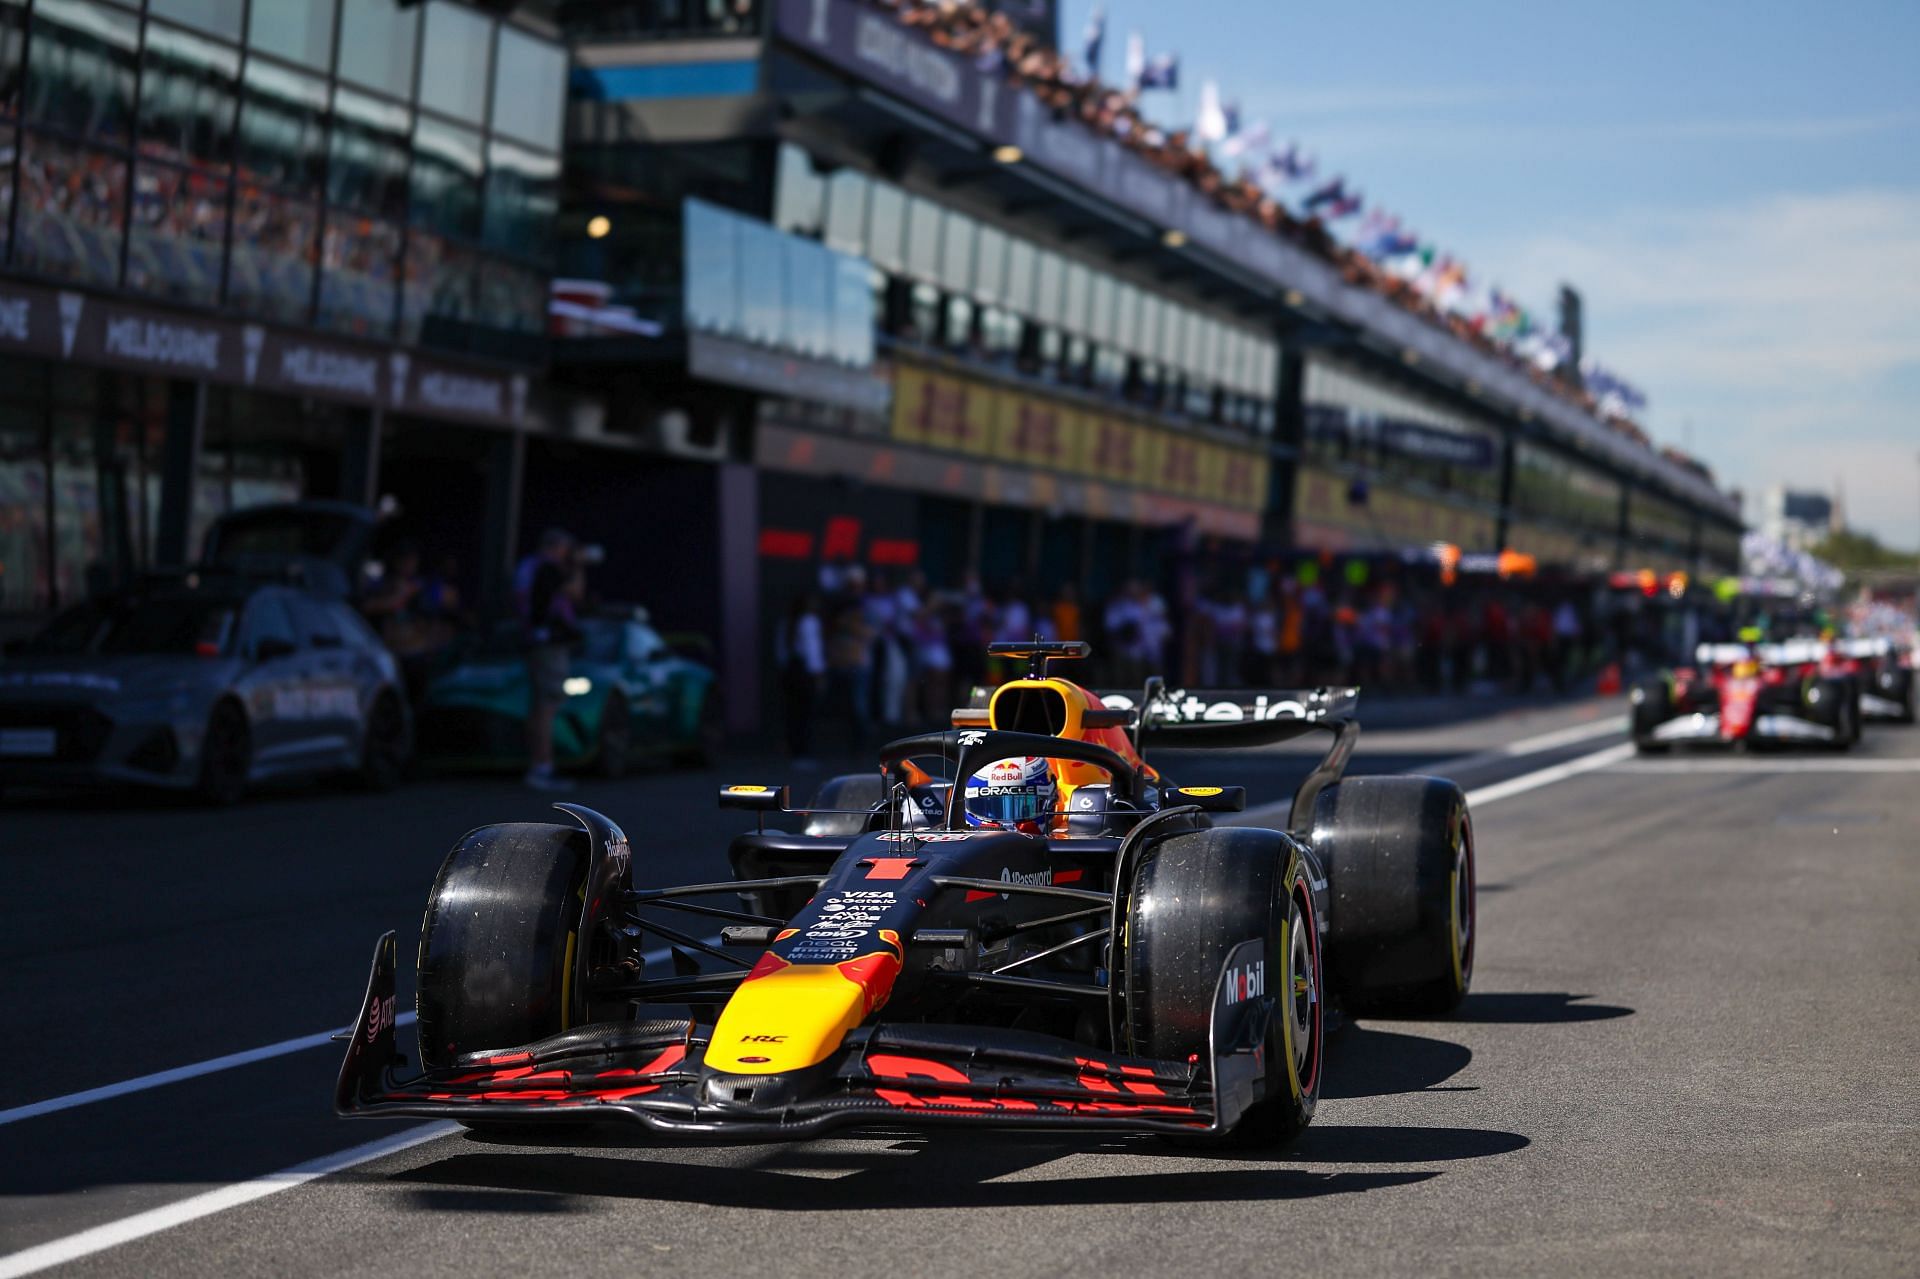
[555, 583]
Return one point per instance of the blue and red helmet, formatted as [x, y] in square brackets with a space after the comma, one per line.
[1013, 794]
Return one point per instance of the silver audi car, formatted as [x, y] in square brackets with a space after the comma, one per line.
[208, 681]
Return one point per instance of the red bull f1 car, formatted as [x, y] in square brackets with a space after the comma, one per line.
[1126, 961]
[1744, 695]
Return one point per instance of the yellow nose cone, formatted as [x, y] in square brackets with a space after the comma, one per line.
[790, 1016]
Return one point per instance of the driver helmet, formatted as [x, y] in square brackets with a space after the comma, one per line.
[1013, 794]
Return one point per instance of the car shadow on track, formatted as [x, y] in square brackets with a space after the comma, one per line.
[941, 1173]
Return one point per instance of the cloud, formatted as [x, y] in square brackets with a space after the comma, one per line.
[1787, 329]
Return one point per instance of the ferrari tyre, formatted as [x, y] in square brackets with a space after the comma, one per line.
[1836, 704]
[613, 746]
[1402, 906]
[499, 939]
[1193, 898]
[1651, 704]
[226, 755]
[847, 791]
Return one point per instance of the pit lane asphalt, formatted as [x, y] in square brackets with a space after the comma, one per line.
[1690, 1050]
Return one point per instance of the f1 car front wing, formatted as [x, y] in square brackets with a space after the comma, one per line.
[650, 1072]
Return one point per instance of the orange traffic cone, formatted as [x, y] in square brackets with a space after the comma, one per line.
[1608, 685]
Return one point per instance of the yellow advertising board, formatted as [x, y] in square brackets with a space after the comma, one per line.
[1388, 517]
[956, 414]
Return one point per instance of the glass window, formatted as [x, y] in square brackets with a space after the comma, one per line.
[712, 269]
[221, 17]
[1100, 300]
[956, 253]
[799, 196]
[1073, 308]
[177, 230]
[453, 62]
[82, 75]
[283, 128]
[809, 294]
[187, 98]
[852, 313]
[529, 89]
[923, 239]
[763, 268]
[368, 168]
[297, 30]
[990, 264]
[512, 298]
[377, 40]
[359, 274]
[1021, 267]
[1146, 334]
[72, 211]
[846, 224]
[437, 299]
[446, 179]
[266, 619]
[886, 228]
[275, 241]
[13, 43]
[1126, 318]
[523, 199]
[1050, 287]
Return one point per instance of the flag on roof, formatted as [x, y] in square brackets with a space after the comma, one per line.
[1095, 37]
[1212, 125]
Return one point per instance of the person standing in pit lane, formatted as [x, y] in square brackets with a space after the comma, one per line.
[556, 585]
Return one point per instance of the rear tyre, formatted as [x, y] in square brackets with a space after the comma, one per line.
[498, 941]
[848, 790]
[383, 755]
[709, 733]
[614, 749]
[226, 755]
[1402, 901]
[1194, 897]
[1651, 705]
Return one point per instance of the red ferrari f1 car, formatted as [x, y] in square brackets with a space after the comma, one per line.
[1742, 695]
[1015, 921]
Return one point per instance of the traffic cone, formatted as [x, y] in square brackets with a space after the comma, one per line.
[1608, 685]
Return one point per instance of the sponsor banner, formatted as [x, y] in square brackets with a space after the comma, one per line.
[786, 448]
[1388, 520]
[1037, 441]
[1553, 546]
[70, 325]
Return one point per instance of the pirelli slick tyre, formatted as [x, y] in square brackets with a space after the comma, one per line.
[1836, 703]
[1193, 898]
[1897, 686]
[498, 941]
[848, 790]
[1651, 705]
[1402, 910]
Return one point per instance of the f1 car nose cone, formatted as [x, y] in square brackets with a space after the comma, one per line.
[789, 1016]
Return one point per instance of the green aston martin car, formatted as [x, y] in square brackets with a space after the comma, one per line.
[630, 697]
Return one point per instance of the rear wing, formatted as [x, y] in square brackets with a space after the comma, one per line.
[1216, 718]
[1798, 652]
[1721, 654]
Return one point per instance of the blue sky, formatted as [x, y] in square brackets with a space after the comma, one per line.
[1735, 189]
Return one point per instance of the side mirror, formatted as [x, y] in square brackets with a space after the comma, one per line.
[273, 647]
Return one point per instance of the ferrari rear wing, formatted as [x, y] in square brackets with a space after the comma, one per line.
[651, 1073]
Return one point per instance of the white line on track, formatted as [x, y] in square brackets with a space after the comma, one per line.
[213, 1065]
[1771, 766]
[1605, 726]
[114, 1233]
[128, 1229]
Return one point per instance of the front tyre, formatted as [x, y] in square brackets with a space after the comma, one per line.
[1195, 897]
[1651, 705]
[383, 752]
[499, 940]
[614, 749]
